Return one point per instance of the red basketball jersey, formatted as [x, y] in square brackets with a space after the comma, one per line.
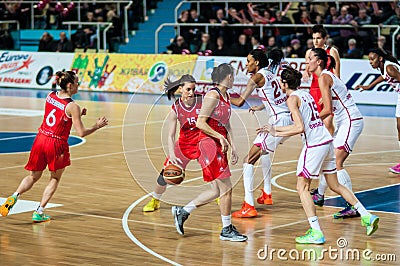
[56, 123]
[187, 117]
[219, 117]
[314, 83]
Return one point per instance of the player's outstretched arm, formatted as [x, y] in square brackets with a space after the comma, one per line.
[75, 112]
[375, 82]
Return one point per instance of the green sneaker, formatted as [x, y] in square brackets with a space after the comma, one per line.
[371, 222]
[313, 236]
[6, 207]
[39, 218]
[152, 205]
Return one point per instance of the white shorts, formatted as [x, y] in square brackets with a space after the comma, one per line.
[316, 160]
[347, 133]
[266, 141]
[398, 105]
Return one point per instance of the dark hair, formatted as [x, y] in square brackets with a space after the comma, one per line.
[329, 61]
[275, 57]
[260, 56]
[65, 77]
[319, 29]
[385, 54]
[170, 87]
[220, 72]
[292, 77]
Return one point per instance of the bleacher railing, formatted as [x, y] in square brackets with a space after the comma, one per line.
[262, 27]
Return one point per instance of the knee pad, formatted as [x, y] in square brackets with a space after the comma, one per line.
[161, 180]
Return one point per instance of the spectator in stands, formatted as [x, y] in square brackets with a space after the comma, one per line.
[195, 32]
[184, 30]
[6, 40]
[114, 35]
[221, 49]
[63, 44]
[242, 47]
[343, 19]
[394, 20]
[235, 18]
[382, 42]
[266, 18]
[177, 45]
[205, 43]
[319, 20]
[221, 30]
[255, 41]
[283, 34]
[297, 50]
[330, 17]
[271, 44]
[45, 42]
[298, 14]
[310, 44]
[363, 34]
[304, 33]
[353, 51]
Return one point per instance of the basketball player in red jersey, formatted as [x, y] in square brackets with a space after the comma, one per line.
[214, 141]
[185, 110]
[50, 147]
[319, 35]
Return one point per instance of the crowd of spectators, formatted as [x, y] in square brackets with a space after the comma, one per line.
[236, 29]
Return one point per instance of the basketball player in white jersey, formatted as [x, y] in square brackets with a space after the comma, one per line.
[266, 82]
[390, 71]
[317, 156]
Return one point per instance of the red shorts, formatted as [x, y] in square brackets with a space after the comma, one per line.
[213, 161]
[186, 153]
[316, 94]
[48, 151]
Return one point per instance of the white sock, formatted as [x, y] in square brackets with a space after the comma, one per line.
[344, 179]
[322, 185]
[40, 209]
[266, 169]
[190, 207]
[226, 220]
[361, 209]
[248, 176]
[314, 223]
[16, 194]
[156, 196]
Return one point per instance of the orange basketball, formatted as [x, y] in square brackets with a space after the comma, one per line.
[173, 174]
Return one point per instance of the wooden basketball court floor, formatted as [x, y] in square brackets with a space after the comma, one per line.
[99, 219]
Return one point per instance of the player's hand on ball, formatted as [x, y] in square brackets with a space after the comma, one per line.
[174, 160]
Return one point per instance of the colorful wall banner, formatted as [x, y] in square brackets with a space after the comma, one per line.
[32, 70]
[130, 73]
[145, 73]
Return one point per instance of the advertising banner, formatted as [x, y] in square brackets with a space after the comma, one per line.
[353, 73]
[130, 72]
[31, 70]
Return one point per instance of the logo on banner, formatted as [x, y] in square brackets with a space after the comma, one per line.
[44, 75]
[157, 72]
[13, 63]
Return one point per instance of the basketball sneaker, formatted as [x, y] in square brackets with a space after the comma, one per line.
[317, 198]
[152, 205]
[371, 222]
[247, 211]
[348, 212]
[312, 236]
[265, 198]
[180, 216]
[7, 206]
[230, 233]
[39, 218]
[395, 169]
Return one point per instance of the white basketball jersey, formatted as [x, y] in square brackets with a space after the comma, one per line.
[343, 104]
[395, 84]
[315, 132]
[271, 93]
